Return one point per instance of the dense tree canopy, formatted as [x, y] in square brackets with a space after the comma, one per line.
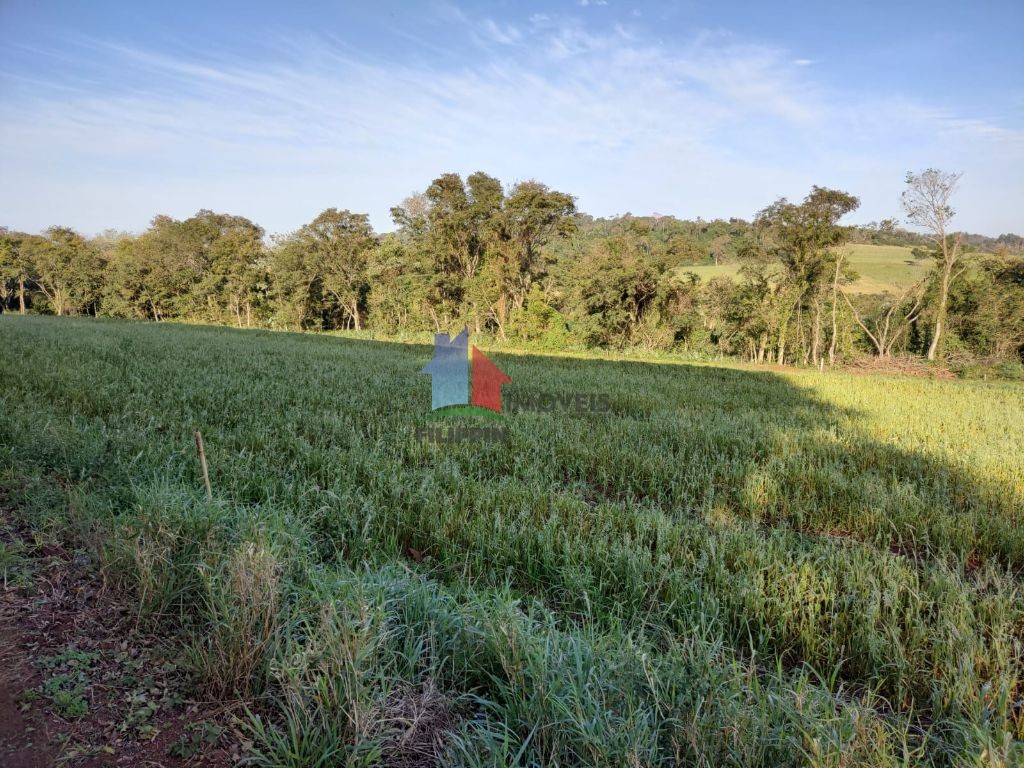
[521, 262]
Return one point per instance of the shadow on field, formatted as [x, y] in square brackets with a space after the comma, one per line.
[725, 441]
[721, 441]
[710, 504]
[693, 440]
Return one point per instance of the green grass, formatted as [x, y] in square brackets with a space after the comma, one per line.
[733, 567]
[880, 268]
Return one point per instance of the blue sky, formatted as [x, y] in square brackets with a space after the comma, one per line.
[113, 112]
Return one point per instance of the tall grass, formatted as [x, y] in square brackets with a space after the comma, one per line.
[730, 568]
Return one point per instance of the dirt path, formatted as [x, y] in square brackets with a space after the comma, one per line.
[24, 740]
[79, 684]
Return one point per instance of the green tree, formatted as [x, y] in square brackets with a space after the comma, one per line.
[486, 249]
[341, 242]
[209, 266]
[531, 217]
[15, 266]
[399, 277]
[614, 287]
[126, 285]
[761, 304]
[986, 308]
[804, 239]
[296, 285]
[320, 272]
[237, 269]
[66, 270]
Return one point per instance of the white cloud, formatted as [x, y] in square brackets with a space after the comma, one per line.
[714, 127]
[506, 34]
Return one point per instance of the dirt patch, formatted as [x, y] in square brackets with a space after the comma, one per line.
[24, 739]
[900, 366]
[81, 684]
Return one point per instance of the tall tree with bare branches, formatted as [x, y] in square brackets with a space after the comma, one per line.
[926, 203]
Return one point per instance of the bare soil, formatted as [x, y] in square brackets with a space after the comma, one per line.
[80, 683]
[900, 366]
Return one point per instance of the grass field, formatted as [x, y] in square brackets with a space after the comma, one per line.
[732, 567]
[880, 268]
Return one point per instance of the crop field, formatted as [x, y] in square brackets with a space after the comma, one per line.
[880, 268]
[730, 567]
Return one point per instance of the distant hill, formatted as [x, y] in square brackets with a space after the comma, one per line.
[880, 268]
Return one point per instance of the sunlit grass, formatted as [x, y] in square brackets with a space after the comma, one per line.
[730, 568]
[880, 268]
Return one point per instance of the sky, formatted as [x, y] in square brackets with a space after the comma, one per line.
[112, 113]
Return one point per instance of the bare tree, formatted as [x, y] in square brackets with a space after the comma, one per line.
[926, 203]
[893, 320]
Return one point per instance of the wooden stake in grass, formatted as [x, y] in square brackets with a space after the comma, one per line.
[202, 462]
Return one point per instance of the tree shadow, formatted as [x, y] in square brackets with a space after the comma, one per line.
[693, 438]
[735, 505]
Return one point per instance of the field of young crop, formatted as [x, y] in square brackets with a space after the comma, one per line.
[879, 268]
[732, 567]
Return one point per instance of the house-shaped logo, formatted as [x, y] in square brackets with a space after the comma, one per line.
[451, 379]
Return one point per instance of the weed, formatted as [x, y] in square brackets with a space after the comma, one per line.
[197, 738]
[66, 685]
[15, 567]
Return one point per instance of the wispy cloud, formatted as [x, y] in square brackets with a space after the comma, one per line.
[715, 126]
[506, 34]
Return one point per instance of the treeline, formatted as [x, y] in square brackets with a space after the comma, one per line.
[522, 263]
